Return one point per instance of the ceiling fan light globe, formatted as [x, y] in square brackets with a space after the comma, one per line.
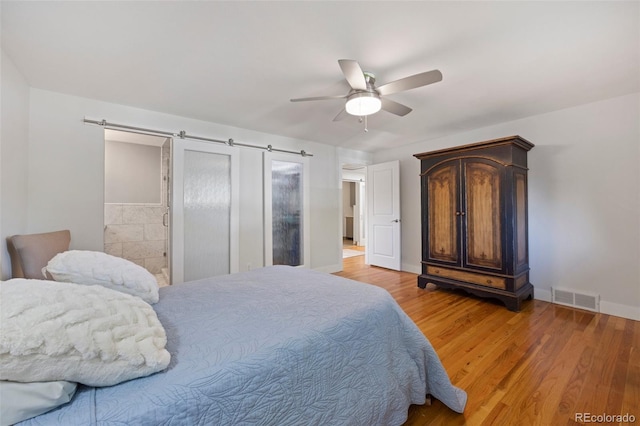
[362, 104]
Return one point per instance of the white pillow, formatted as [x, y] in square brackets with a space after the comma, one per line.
[86, 334]
[21, 401]
[97, 268]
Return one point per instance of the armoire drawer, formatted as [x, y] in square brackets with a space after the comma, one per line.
[480, 279]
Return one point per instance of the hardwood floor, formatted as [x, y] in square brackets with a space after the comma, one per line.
[541, 366]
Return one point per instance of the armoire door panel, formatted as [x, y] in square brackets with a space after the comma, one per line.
[482, 213]
[521, 219]
[442, 205]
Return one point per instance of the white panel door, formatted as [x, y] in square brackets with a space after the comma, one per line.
[383, 215]
[204, 210]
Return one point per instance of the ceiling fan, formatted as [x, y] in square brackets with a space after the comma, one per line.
[365, 98]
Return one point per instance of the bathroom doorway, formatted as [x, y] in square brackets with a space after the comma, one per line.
[136, 205]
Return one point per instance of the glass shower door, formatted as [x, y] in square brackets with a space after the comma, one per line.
[204, 211]
[286, 207]
[286, 197]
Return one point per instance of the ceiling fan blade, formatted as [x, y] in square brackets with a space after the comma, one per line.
[411, 82]
[353, 73]
[395, 108]
[318, 98]
[341, 115]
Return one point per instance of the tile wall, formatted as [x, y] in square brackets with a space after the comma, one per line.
[135, 232]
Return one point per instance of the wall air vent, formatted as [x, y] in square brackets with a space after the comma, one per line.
[576, 299]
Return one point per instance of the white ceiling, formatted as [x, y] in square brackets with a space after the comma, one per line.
[239, 63]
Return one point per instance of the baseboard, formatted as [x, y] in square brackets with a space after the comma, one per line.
[414, 269]
[542, 294]
[618, 310]
[329, 269]
[609, 308]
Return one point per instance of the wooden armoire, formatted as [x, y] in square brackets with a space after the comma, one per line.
[474, 219]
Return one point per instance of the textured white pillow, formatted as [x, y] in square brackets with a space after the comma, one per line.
[21, 401]
[97, 268]
[87, 334]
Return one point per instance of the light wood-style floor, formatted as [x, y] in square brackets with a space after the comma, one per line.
[540, 366]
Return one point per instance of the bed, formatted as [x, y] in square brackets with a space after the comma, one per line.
[274, 346]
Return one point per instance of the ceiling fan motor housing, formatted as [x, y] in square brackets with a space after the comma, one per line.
[363, 103]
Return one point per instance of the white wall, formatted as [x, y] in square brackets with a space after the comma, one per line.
[584, 199]
[348, 191]
[133, 173]
[347, 207]
[13, 160]
[62, 149]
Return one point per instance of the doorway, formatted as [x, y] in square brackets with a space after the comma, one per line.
[354, 229]
[379, 216]
[136, 225]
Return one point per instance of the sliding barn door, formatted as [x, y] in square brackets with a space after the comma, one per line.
[204, 210]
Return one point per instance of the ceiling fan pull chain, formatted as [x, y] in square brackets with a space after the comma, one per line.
[366, 124]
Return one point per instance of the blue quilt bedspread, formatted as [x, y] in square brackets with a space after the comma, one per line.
[275, 346]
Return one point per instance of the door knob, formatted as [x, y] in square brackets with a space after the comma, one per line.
[395, 220]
